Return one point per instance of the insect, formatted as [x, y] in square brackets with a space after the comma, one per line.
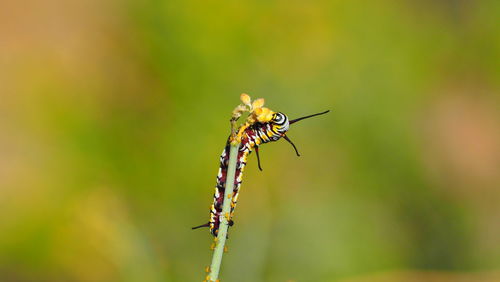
[252, 136]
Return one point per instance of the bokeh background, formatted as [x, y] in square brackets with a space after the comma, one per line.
[113, 115]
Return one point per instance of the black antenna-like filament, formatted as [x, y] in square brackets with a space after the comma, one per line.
[290, 141]
[258, 158]
[309, 116]
[200, 226]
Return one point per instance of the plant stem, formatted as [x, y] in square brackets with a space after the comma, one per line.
[226, 209]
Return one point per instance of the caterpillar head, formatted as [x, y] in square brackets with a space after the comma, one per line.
[280, 122]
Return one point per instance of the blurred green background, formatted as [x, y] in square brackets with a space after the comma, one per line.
[113, 115]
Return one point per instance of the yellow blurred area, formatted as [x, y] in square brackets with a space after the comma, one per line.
[113, 115]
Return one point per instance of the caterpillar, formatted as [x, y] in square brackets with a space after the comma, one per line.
[252, 136]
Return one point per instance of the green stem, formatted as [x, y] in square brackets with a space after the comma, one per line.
[226, 209]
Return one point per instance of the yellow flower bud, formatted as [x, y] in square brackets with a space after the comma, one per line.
[245, 98]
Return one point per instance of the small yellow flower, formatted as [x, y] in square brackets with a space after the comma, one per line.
[256, 109]
[263, 114]
[259, 103]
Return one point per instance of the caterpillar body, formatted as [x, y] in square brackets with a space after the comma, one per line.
[252, 135]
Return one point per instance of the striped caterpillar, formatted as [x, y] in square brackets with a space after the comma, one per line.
[252, 135]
